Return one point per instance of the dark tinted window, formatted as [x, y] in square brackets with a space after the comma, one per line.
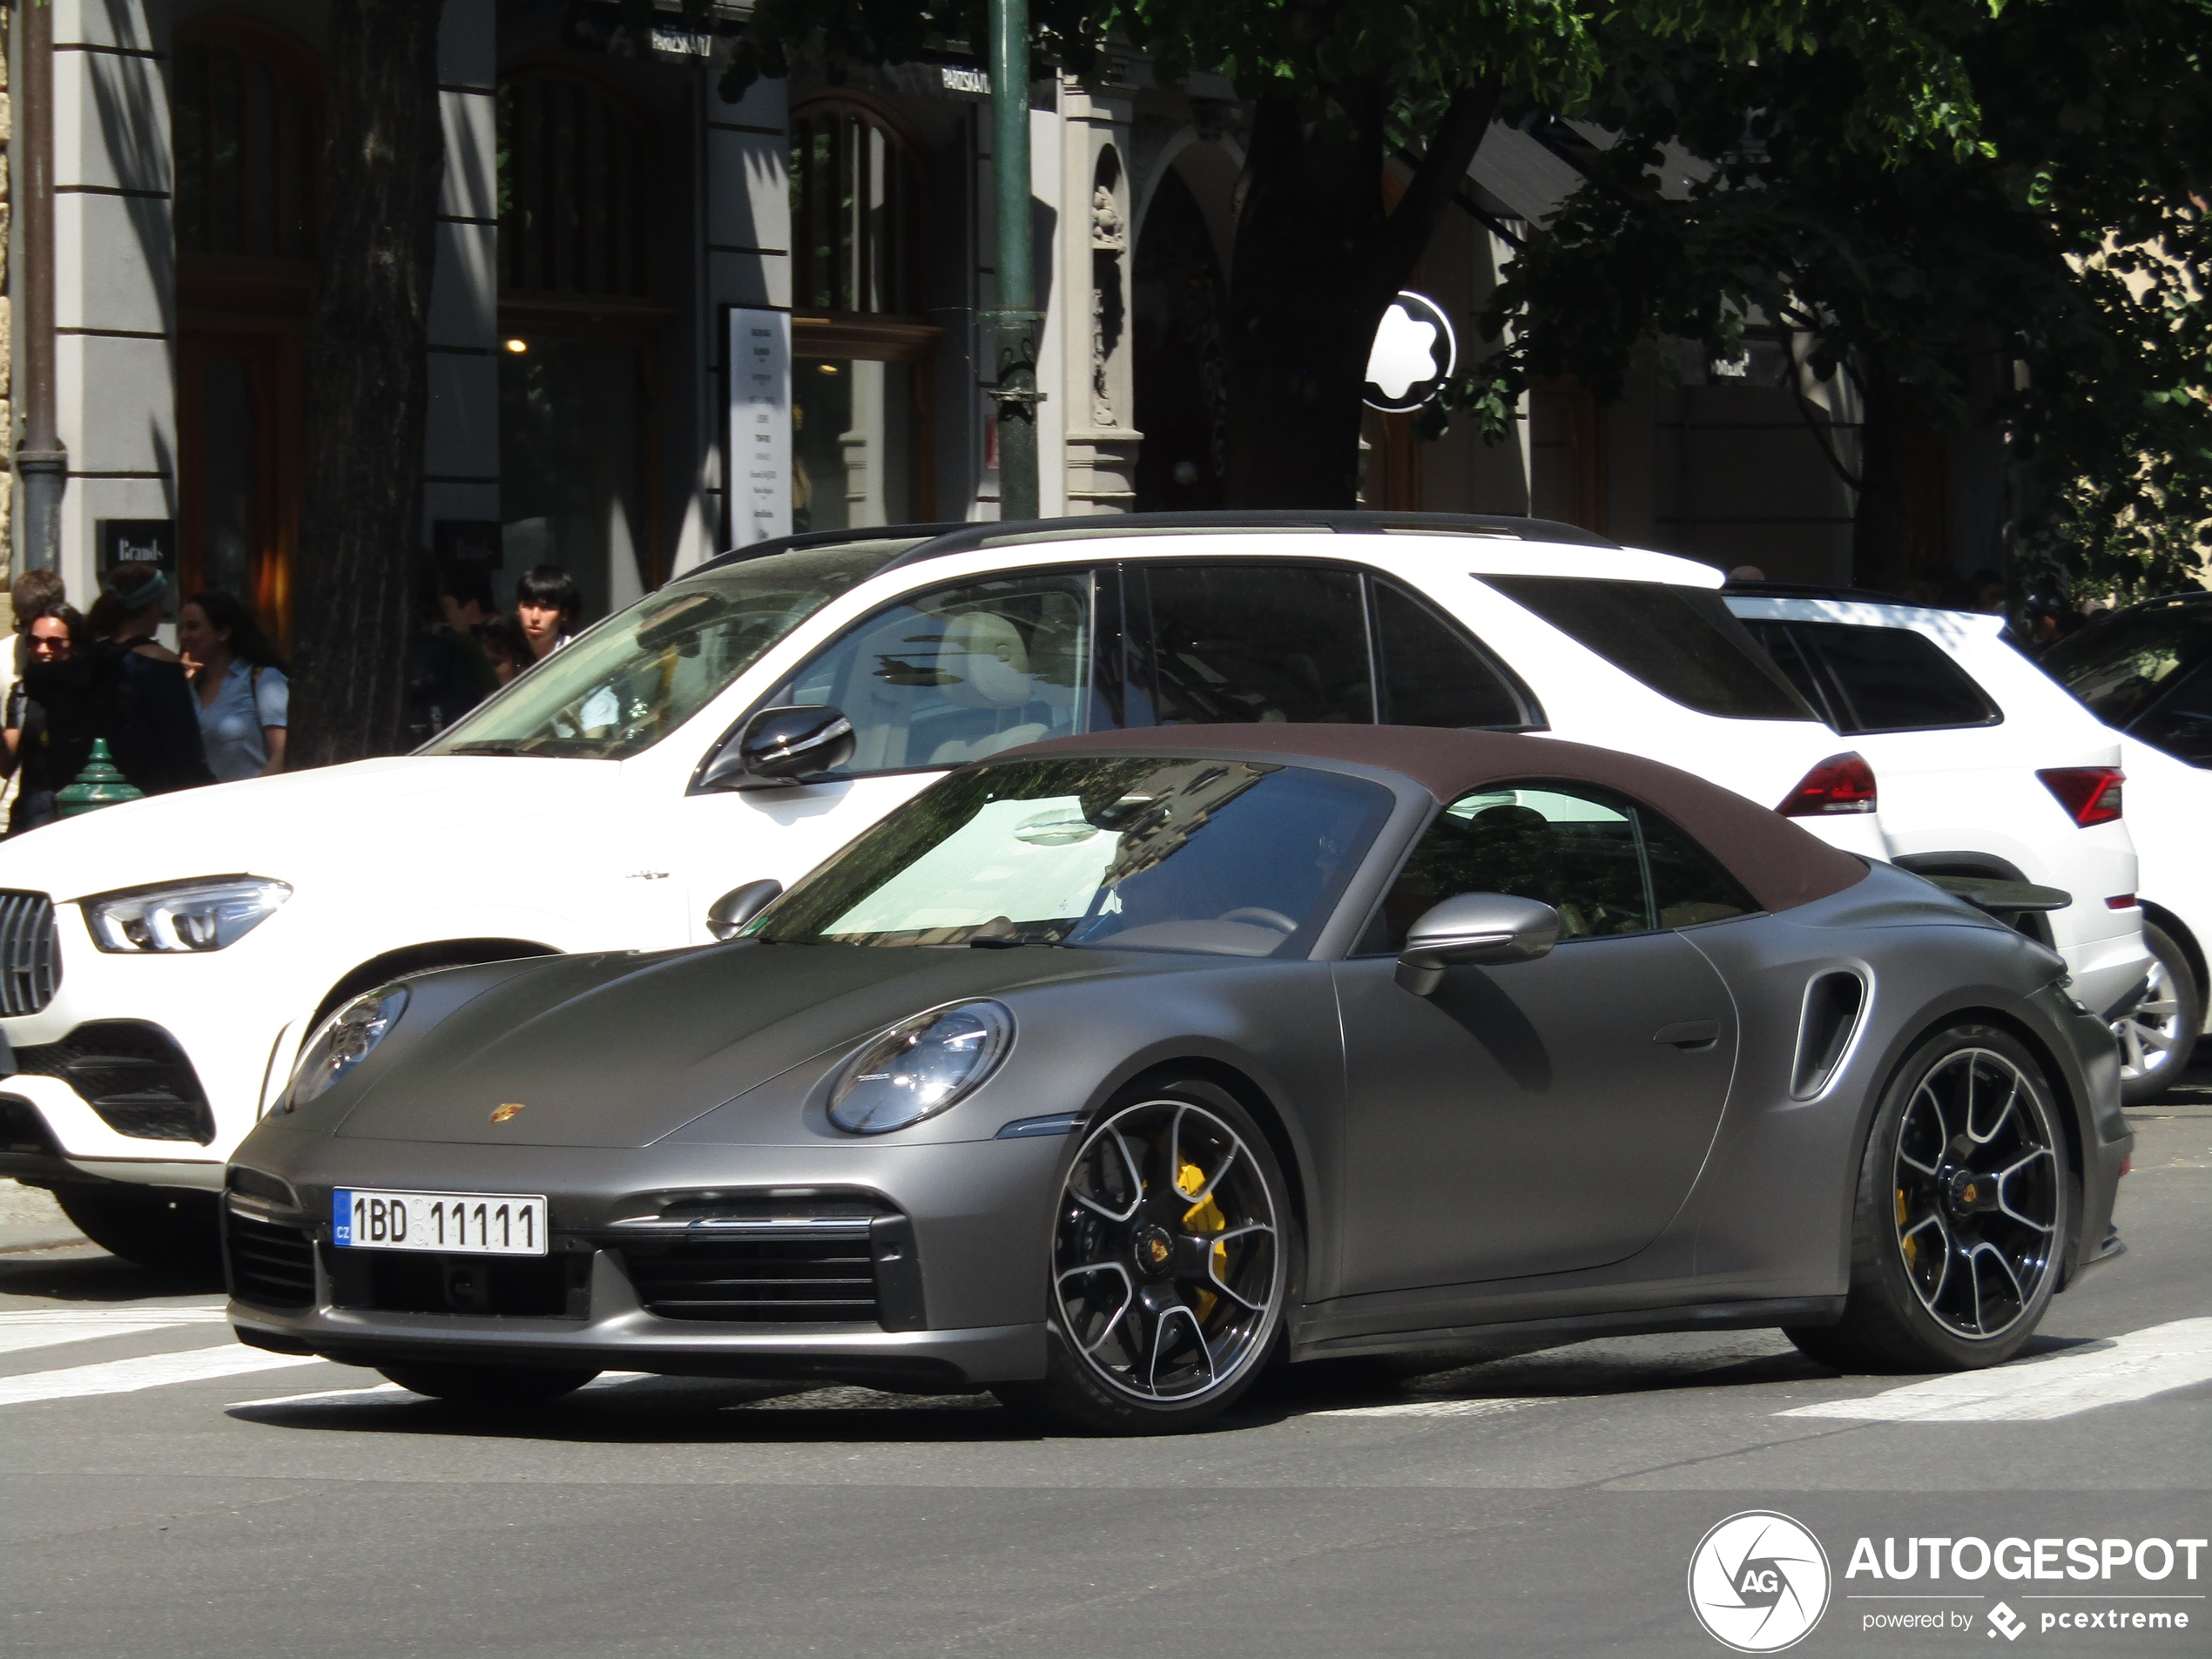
[1584, 851]
[2181, 721]
[1893, 679]
[1253, 642]
[1432, 674]
[2121, 666]
[1688, 885]
[1681, 642]
[1775, 639]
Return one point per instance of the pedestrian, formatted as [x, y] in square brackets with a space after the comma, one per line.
[36, 761]
[123, 685]
[33, 593]
[442, 685]
[240, 688]
[502, 648]
[547, 606]
[464, 594]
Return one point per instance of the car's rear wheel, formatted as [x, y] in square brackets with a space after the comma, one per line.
[1173, 1258]
[160, 1227]
[1963, 1211]
[488, 1385]
[2157, 1035]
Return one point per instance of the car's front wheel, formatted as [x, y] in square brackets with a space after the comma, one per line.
[1964, 1207]
[1173, 1258]
[488, 1386]
[159, 1227]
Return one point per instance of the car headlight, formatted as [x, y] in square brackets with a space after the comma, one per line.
[185, 916]
[343, 1041]
[919, 1067]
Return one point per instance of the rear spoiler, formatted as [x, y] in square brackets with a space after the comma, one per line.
[2002, 897]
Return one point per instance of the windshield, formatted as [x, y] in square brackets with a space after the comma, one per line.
[2119, 666]
[639, 675]
[1229, 857]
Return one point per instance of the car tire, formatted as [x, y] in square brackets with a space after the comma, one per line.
[1174, 1247]
[159, 1227]
[486, 1385]
[2157, 1036]
[1962, 1214]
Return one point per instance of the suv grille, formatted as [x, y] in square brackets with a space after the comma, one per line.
[271, 1265]
[823, 1279]
[134, 1076]
[30, 953]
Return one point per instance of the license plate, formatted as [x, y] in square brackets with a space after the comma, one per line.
[458, 1224]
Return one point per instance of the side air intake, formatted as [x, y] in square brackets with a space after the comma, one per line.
[1833, 1004]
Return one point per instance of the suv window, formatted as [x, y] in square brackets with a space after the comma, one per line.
[1607, 863]
[1880, 679]
[940, 679]
[1430, 673]
[1241, 642]
[1682, 642]
[2181, 721]
[2121, 667]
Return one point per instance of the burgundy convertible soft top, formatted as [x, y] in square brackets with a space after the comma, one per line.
[1781, 864]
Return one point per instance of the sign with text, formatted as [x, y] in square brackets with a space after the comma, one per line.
[760, 481]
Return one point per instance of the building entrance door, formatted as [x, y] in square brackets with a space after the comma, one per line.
[239, 464]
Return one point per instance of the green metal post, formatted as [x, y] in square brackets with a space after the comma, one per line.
[1018, 321]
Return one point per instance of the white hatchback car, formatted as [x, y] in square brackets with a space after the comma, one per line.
[1989, 768]
[169, 957]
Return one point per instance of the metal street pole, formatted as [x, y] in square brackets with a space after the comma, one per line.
[1018, 321]
[42, 462]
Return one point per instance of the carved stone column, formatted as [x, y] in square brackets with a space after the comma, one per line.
[1102, 438]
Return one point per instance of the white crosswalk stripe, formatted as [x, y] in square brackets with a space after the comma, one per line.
[151, 1370]
[1436, 1408]
[47, 1328]
[2135, 1366]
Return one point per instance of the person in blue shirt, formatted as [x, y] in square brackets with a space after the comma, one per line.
[239, 686]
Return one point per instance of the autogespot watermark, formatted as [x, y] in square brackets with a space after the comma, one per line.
[1759, 1583]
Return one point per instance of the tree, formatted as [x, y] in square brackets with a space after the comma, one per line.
[2038, 273]
[1336, 87]
[361, 513]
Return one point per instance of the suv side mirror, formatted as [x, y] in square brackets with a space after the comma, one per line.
[1487, 929]
[740, 905]
[783, 745]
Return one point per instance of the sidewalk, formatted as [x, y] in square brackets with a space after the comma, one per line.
[29, 1219]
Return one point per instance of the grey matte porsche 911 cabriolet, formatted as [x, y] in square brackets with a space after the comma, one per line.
[1108, 1071]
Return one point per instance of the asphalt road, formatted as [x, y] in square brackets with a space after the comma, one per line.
[1546, 1503]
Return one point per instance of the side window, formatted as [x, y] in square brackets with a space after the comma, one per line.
[1575, 850]
[1250, 641]
[1777, 640]
[1897, 680]
[951, 675]
[1688, 885]
[1431, 674]
[1584, 851]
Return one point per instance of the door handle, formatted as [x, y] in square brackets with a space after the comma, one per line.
[1688, 1033]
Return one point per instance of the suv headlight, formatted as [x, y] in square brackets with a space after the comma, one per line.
[184, 915]
[343, 1041]
[919, 1067]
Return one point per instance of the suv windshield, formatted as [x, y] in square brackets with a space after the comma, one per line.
[2120, 666]
[1232, 858]
[639, 675]
[1683, 643]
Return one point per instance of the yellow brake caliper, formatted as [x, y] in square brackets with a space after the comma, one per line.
[1911, 1245]
[1203, 1216]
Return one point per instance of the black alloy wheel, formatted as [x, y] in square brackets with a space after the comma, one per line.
[1172, 1261]
[483, 1387]
[1965, 1202]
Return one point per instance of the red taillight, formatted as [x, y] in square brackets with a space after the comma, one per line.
[2121, 901]
[1842, 783]
[2090, 794]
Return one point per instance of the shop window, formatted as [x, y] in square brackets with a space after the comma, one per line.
[855, 214]
[247, 126]
[574, 189]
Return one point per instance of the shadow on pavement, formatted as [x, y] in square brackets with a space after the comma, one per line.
[87, 1273]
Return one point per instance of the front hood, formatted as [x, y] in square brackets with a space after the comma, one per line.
[619, 1049]
[298, 823]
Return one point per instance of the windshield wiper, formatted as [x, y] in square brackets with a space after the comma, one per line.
[1008, 941]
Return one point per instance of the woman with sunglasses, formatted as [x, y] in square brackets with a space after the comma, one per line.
[50, 760]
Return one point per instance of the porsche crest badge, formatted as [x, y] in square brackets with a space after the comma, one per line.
[501, 1113]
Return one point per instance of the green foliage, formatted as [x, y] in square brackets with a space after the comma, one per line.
[2044, 216]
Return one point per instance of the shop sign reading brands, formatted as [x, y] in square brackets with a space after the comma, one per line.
[1759, 1583]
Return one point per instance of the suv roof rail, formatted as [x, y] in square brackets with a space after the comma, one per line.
[932, 541]
[1823, 590]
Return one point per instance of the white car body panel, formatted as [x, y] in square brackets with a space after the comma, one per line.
[578, 855]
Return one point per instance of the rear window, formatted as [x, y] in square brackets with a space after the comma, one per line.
[1893, 679]
[1681, 642]
[2121, 666]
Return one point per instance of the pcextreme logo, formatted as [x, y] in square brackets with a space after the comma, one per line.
[1758, 1582]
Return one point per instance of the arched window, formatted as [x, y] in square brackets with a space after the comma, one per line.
[247, 124]
[855, 214]
[576, 188]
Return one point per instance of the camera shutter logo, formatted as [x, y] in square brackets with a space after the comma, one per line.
[1758, 1582]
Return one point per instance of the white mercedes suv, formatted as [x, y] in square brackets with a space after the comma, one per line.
[167, 958]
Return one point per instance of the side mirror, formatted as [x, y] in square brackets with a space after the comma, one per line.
[1486, 928]
[738, 906]
[779, 746]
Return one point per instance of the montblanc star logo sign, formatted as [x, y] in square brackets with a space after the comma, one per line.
[1414, 353]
